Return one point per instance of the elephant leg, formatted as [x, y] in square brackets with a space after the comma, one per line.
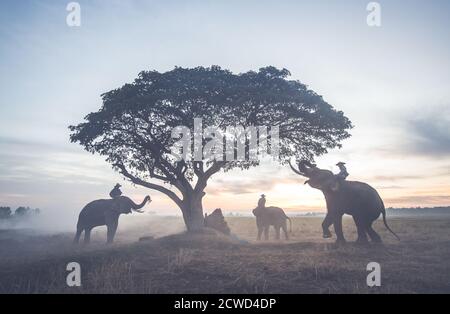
[260, 231]
[372, 234]
[285, 230]
[361, 229]
[327, 222]
[277, 232]
[266, 233]
[337, 221]
[112, 228]
[87, 235]
[77, 236]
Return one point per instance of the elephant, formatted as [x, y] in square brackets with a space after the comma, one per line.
[271, 216]
[354, 198]
[105, 212]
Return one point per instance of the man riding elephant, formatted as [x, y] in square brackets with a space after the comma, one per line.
[270, 216]
[354, 198]
[343, 174]
[115, 194]
[262, 201]
[105, 212]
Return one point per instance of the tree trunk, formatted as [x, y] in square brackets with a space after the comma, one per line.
[193, 213]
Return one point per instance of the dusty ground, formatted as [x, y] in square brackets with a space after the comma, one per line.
[32, 262]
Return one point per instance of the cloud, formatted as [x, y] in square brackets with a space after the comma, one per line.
[423, 200]
[391, 187]
[396, 177]
[254, 180]
[23, 159]
[247, 186]
[45, 174]
[430, 133]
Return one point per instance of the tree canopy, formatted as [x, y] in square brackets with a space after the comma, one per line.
[133, 127]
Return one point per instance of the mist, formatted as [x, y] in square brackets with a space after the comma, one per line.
[131, 227]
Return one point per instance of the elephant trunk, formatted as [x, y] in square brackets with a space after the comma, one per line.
[305, 167]
[135, 206]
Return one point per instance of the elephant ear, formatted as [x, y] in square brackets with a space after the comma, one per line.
[335, 185]
[122, 206]
[116, 206]
[126, 209]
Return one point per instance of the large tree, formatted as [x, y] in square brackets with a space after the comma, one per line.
[133, 127]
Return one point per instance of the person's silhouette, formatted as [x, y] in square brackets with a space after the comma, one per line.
[262, 202]
[343, 174]
[116, 192]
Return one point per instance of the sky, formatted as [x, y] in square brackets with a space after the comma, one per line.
[392, 82]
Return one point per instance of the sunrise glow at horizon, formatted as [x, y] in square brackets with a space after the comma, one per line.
[391, 82]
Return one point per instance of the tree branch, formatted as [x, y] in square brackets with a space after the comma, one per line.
[203, 179]
[149, 185]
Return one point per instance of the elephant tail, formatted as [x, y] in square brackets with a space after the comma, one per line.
[290, 224]
[383, 212]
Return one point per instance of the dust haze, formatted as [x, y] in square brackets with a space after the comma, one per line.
[50, 235]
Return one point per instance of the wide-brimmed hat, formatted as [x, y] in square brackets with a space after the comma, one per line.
[263, 195]
[118, 185]
[340, 163]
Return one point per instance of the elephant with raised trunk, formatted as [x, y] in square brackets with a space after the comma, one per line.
[105, 212]
[271, 216]
[354, 198]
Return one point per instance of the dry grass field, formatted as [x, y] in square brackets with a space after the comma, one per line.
[31, 262]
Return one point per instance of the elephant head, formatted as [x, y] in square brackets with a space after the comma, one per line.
[321, 179]
[256, 211]
[125, 205]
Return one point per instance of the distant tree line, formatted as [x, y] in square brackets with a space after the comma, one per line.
[420, 208]
[438, 210]
[6, 212]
